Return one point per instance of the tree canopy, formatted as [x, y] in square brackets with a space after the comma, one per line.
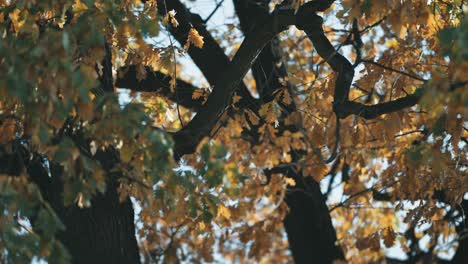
[315, 131]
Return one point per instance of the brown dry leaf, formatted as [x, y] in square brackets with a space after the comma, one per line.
[388, 236]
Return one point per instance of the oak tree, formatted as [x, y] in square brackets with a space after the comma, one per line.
[315, 131]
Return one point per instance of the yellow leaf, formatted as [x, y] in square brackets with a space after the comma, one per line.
[267, 112]
[392, 43]
[15, 19]
[201, 226]
[371, 242]
[392, 125]
[195, 39]
[79, 6]
[290, 181]
[172, 84]
[224, 212]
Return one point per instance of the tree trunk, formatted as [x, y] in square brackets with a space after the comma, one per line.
[103, 233]
[311, 235]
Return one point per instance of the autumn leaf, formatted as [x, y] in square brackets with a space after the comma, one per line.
[388, 236]
[253, 118]
[371, 242]
[290, 181]
[236, 99]
[224, 212]
[15, 19]
[7, 130]
[170, 17]
[194, 38]
[98, 115]
[79, 6]
[196, 95]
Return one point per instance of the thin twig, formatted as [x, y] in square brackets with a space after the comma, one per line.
[213, 12]
[373, 25]
[394, 70]
[337, 142]
[175, 73]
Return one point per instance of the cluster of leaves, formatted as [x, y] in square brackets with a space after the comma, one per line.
[411, 154]
[20, 201]
[217, 202]
[52, 54]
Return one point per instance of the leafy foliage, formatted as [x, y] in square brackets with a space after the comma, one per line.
[392, 178]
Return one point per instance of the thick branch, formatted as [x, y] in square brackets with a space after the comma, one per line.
[268, 67]
[159, 83]
[211, 58]
[227, 82]
[372, 111]
[312, 25]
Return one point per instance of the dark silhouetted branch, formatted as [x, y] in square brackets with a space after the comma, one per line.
[159, 83]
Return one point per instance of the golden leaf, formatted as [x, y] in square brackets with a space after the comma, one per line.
[252, 117]
[290, 181]
[78, 6]
[194, 38]
[15, 19]
[224, 212]
[392, 43]
[319, 171]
